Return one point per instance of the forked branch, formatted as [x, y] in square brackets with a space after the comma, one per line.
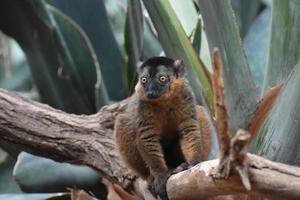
[233, 149]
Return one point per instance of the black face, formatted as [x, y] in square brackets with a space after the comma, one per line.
[155, 81]
[156, 76]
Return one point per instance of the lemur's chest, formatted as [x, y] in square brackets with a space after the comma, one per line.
[168, 120]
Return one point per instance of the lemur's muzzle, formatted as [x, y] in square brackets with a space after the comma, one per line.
[152, 95]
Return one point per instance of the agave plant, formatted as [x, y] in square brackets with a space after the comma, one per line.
[82, 55]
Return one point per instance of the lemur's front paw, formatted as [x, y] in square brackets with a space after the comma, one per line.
[183, 166]
[194, 162]
[158, 187]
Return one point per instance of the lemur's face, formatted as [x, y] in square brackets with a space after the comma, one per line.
[158, 78]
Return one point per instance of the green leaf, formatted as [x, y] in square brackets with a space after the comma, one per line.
[245, 11]
[197, 36]
[92, 17]
[278, 139]
[268, 3]
[152, 47]
[133, 40]
[204, 51]
[19, 80]
[222, 32]
[30, 175]
[86, 68]
[49, 57]
[116, 11]
[284, 49]
[177, 45]
[116, 14]
[187, 15]
[7, 183]
[14, 69]
[256, 43]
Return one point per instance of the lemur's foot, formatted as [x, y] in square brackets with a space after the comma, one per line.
[158, 187]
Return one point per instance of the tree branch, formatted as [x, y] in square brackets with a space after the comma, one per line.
[222, 121]
[269, 179]
[79, 139]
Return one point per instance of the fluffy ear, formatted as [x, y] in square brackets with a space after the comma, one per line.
[179, 68]
[138, 66]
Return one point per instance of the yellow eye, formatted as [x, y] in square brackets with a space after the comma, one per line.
[162, 79]
[144, 80]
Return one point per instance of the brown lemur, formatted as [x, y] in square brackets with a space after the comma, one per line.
[162, 126]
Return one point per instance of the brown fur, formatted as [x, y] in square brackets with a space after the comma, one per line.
[146, 132]
[206, 130]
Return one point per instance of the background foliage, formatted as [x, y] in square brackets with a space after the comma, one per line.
[79, 56]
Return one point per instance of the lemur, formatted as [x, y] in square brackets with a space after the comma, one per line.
[162, 126]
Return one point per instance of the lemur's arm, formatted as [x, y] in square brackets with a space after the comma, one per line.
[191, 135]
[150, 147]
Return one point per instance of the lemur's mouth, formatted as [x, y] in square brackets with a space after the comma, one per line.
[152, 95]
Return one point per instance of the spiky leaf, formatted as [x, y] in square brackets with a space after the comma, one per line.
[222, 32]
[284, 51]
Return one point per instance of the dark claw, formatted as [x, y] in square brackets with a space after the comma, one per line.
[159, 186]
[183, 166]
[194, 162]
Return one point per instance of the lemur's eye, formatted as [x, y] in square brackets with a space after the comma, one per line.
[162, 79]
[143, 79]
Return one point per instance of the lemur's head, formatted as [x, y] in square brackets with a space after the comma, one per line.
[160, 78]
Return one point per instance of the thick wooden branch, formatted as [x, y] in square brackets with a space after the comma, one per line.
[233, 149]
[265, 177]
[88, 140]
[80, 139]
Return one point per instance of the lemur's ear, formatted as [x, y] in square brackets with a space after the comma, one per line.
[138, 66]
[179, 68]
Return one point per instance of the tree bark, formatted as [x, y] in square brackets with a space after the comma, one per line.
[269, 179]
[78, 139]
[88, 140]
